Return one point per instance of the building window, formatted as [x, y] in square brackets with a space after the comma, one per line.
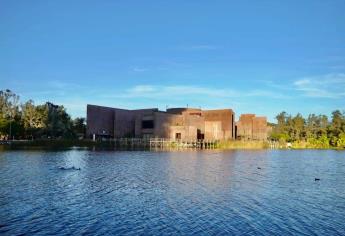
[147, 124]
[178, 136]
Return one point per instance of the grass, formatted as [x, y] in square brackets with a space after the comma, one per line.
[241, 144]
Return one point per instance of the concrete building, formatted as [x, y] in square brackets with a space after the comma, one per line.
[174, 123]
[250, 127]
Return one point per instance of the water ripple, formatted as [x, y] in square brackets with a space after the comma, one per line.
[155, 193]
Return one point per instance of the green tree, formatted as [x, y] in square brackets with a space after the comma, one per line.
[79, 126]
[33, 118]
[341, 141]
[311, 128]
[59, 123]
[280, 131]
[9, 108]
[338, 123]
[4, 127]
[316, 130]
[297, 130]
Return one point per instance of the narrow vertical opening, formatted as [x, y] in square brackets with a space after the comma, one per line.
[232, 126]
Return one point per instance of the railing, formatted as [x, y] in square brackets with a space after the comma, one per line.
[162, 143]
[178, 143]
[273, 144]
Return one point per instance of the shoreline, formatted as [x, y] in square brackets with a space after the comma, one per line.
[113, 145]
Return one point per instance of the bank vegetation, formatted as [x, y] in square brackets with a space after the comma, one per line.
[314, 131]
[26, 120]
[48, 121]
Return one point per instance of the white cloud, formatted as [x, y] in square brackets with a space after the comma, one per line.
[188, 92]
[302, 82]
[142, 89]
[267, 93]
[175, 92]
[325, 86]
[140, 69]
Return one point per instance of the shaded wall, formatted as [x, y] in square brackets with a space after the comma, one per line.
[250, 127]
[245, 126]
[124, 123]
[163, 121]
[99, 120]
[226, 125]
[260, 128]
[113, 122]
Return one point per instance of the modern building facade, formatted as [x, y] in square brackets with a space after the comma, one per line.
[174, 123]
[250, 127]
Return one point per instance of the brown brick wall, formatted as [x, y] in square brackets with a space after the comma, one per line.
[124, 123]
[113, 121]
[250, 127]
[99, 119]
[118, 123]
[163, 121]
[260, 128]
[226, 117]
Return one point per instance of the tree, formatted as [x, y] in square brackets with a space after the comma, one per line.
[79, 126]
[311, 126]
[4, 127]
[9, 107]
[297, 129]
[281, 118]
[58, 122]
[338, 123]
[280, 131]
[32, 117]
[341, 141]
[337, 119]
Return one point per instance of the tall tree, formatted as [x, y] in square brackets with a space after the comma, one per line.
[79, 126]
[59, 123]
[9, 107]
[32, 117]
[298, 130]
[338, 122]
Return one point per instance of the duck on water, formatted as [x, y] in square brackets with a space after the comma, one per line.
[69, 168]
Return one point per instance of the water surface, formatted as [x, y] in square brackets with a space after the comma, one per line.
[190, 192]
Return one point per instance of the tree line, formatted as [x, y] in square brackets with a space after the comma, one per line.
[315, 131]
[29, 121]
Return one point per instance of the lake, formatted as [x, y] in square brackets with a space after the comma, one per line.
[179, 192]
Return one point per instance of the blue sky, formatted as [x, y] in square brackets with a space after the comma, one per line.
[252, 56]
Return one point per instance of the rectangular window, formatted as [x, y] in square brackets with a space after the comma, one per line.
[195, 114]
[178, 136]
[147, 124]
